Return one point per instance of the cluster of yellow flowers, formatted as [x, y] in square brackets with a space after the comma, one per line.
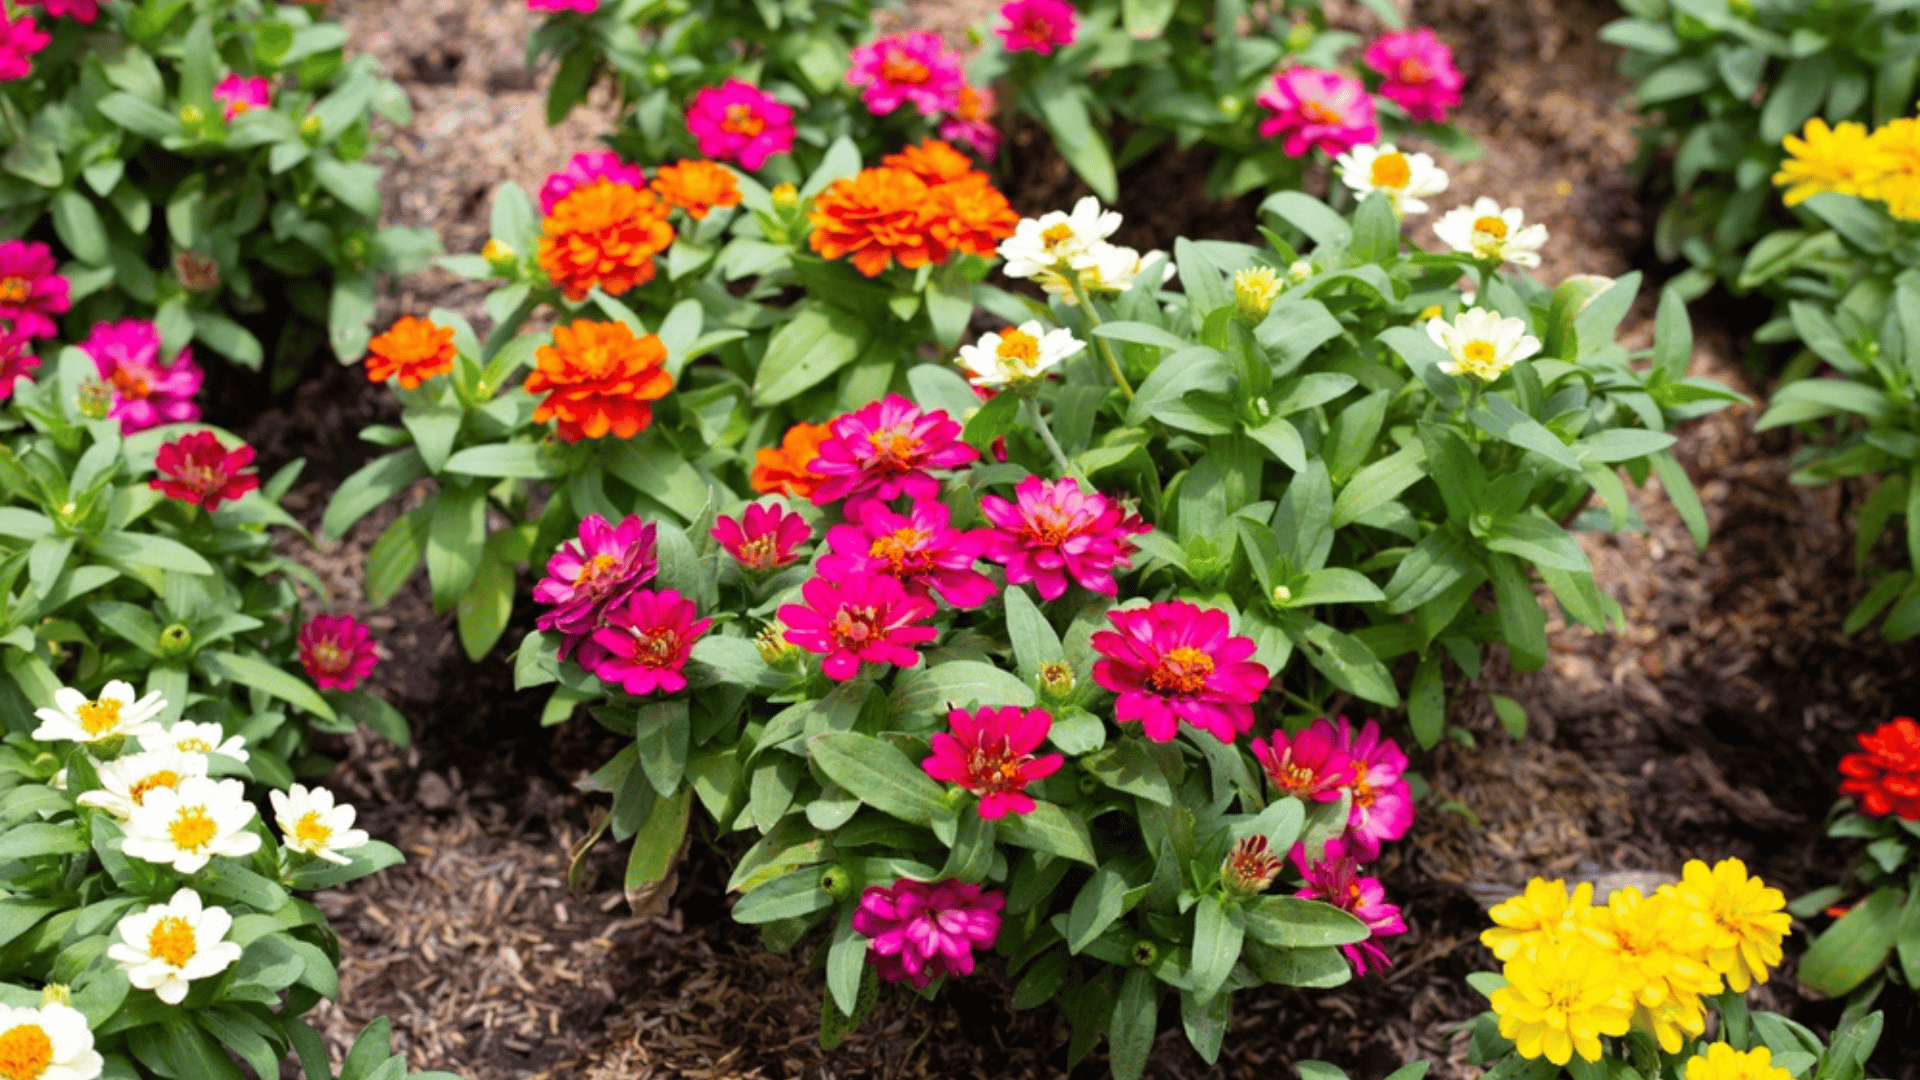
[1576, 970]
[1848, 159]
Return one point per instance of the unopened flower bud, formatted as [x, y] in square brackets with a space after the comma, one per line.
[1254, 290]
[1300, 271]
[191, 116]
[1250, 867]
[1056, 681]
[785, 196]
[659, 72]
[500, 257]
[1145, 953]
[311, 129]
[198, 273]
[175, 640]
[1232, 104]
[55, 994]
[836, 882]
[1430, 312]
[774, 647]
[1282, 595]
[95, 398]
[58, 781]
[1299, 37]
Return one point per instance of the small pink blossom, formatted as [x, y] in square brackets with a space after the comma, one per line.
[1335, 879]
[583, 169]
[17, 359]
[1311, 765]
[30, 290]
[1382, 799]
[237, 94]
[80, 11]
[971, 122]
[146, 391]
[588, 575]
[767, 538]
[739, 122]
[919, 548]
[1037, 25]
[585, 7]
[1318, 108]
[914, 67]
[885, 450]
[1174, 662]
[990, 753]
[867, 618]
[646, 640]
[18, 42]
[923, 932]
[1419, 73]
[337, 651]
[1055, 532]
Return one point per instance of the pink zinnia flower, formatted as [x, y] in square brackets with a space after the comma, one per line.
[971, 122]
[913, 67]
[146, 392]
[884, 451]
[18, 42]
[1311, 765]
[1382, 799]
[590, 574]
[80, 11]
[646, 641]
[1037, 25]
[990, 753]
[1055, 531]
[866, 618]
[585, 168]
[922, 932]
[1177, 661]
[30, 291]
[17, 359]
[1419, 71]
[737, 121]
[1318, 108]
[198, 471]
[918, 547]
[238, 94]
[337, 651]
[767, 538]
[585, 7]
[1335, 879]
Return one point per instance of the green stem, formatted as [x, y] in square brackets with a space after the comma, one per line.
[1100, 344]
[1046, 436]
[503, 333]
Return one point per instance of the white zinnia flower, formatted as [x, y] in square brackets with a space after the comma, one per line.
[310, 822]
[1486, 231]
[191, 738]
[1017, 355]
[114, 713]
[125, 782]
[188, 824]
[1406, 179]
[1112, 268]
[1481, 343]
[51, 1042]
[169, 945]
[1052, 238]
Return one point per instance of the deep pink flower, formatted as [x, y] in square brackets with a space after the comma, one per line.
[147, 392]
[912, 67]
[1318, 108]
[1382, 799]
[18, 42]
[1177, 661]
[1335, 879]
[971, 122]
[17, 359]
[922, 932]
[918, 547]
[646, 641]
[590, 574]
[884, 451]
[1038, 25]
[1311, 765]
[584, 168]
[737, 121]
[337, 651]
[990, 753]
[767, 539]
[1055, 531]
[80, 11]
[238, 94]
[1419, 71]
[198, 471]
[30, 291]
[585, 7]
[866, 618]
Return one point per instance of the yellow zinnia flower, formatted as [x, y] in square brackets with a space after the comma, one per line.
[1723, 1062]
[1842, 159]
[1657, 941]
[1742, 918]
[1898, 184]
[1560, 998]
[1543, 913]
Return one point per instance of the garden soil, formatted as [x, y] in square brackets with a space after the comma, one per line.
[1707, 726]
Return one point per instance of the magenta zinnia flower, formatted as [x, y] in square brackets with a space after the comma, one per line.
[912, 67]
[1311, 765]
[884, 451]
[922, 932]
[972, 123]
[1382, 799]
[588, 575]
[1056, 531]
[1037, 25]
[80, 11]
[30, 292]
[198, 471]
[1318, 108]
[237, 94]
[646, 641]
[737, 121]
[767, 538]
[1419, 71]
[918, 547]
[337, 651]
[866, 618]
[1177, 661]
[146, 392]
[1335, 879]
[18, 42]
[990, 753]
[17, 359]
[585, 168]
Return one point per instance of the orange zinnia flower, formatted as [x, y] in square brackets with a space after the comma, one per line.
[604, 234]
[970, 215]
[784, 470]
[877, 216]
[696, 186]
[598, 378]
[933, 161]
[414, 350]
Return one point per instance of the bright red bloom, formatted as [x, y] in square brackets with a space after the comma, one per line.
[337, 651]
[867, 618]
[1056, 532]
[590, 575]
[1308, 766]
[767, 538]
[919, 548]
[990, 753]
[31, 291]
[884, 451]
[646, 641]
[1177, 661]
[1885, 779]
[199, 471]
[1418, 73]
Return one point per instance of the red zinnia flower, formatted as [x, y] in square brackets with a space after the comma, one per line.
[767, 537]
[337, 651]
[1055, 532]
[990, 753]
[198, 471]
[1176, 662]
[919, 547]
[867, 618]
[1886, 778]
[647, 641]
[1310, 765]
[883, 451]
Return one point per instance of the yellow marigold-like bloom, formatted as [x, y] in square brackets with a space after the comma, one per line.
[604, 234]
[1723, 1062]
[1543, 913]
[1657, 941]
[1899, 182]
[1842, 159]
[1560, 997]
[1742, 918]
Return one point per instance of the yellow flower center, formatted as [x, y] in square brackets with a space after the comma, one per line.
[193, 746]
[1391, 171]
[600, 564]
[100, 717]
[1020, 348]
[1492, 226]
[1479, 352]
[1047, 524]
[1183, 670]
[311, 831]
[853, 626]
[900, 549]
[13, 290]
[1431, 311]
[25, 1053]
[172, 940]
[239, 105]
[164, 778]
[191, 829]
[1055, 235]
[1320, 112]
[893, 444]
[1413, 71]
[742, 120]
[131, 384]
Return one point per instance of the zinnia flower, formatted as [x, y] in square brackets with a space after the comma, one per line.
[1318, 108]
[1037, 25]
[1719, 1061]
[598, 378]
[1885, 778]
[337, 651]
[1111, 268]
[189, 737]
[696, 187]
[585, 168]
[1335, 879]
[1058, 240]
[788, 468]
[187, 825]
[310, 821]
[146, 392]
[1405, 179]
[867, 618]
[1176, 661]
[1544, 914]
[606, 234]
[912, 68]
[922, 932]
[1491, 233]
[971, 122]
[968, 214]
[1560, 998]
[1843, 159]
[933, 161]
[989, 752]
[1250, 866]
[1017, 356]
[645, 642]
[17, 359]
[1482, 343]
[114, 714]
[877, 216]
[1656, 943]
[1743, 916]
[919, 548]
[30, 291]
[53, 1040]
[126, 780]
[1419, 73]
[1898, 185]
[737, 121]
[169, 946]
[198, 471]
[886, 450]
[237, 94]
[412, 350]
[1054, 533]
[18, 42]
[1382, 800]
[80, 11]
[590, 574]
[1308, 766]
[766, 537]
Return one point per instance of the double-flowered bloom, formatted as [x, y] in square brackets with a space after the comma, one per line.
[921, 932]
[1176, 662]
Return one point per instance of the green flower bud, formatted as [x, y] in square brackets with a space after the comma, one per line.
[1232, 105]
[1145, 953]
[55, 994]
[191, 116]
[1300, 271]
[95, 399]
[1299, 37]
[501, 258]
[1056, 681]
[175, 640]
[1254, 290]
[836, 882]
[311, 129]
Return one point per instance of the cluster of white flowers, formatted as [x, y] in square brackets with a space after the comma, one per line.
[1057, 248]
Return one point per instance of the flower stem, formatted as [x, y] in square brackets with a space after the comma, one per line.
[1105, 347]
[1046, 436]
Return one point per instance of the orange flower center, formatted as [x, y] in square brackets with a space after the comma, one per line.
[901, 68]
[1492, 226]
[1019, 347]
[591, 571]
[99, 717]
[1480, 352]
[130, 383]
[742, 120]
[759, 553]
[853, 626]
[192, 829]
[1413, 71]
[657, 647]
[1294, 777]
[970, 102]
[172, 940]
[311, 831]
[1363, 793]
[1057, 234]
[25, 1053]
[893, 445]
[900, 549]
[239, 105]
[13, 290]
[992, 768]
[328, 656]
[1320, 112]
[1183, 671]
[165, 778]
[1050, 525]
[1391, 171]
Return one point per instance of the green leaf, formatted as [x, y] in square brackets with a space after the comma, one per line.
[78, 225]
[819, 340]
[139, 117]
[146, 549]
[1047, 828]
[789, 896]
[482, 612]
[1539, 541]
[880, 775]
[368, 487]
[1217, 933]
[1854, 947]
[1063, 110]
[1136, 1013]
[1376, 231]
[1291, 922]
[1311, 216]
[1427, 702]
[1795, 97]
[228, 338]
[956, 684]
[36, 838]
[1100, 901]
[1680, 491]
[247, 671]
[1510, 714]
[456, 537]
